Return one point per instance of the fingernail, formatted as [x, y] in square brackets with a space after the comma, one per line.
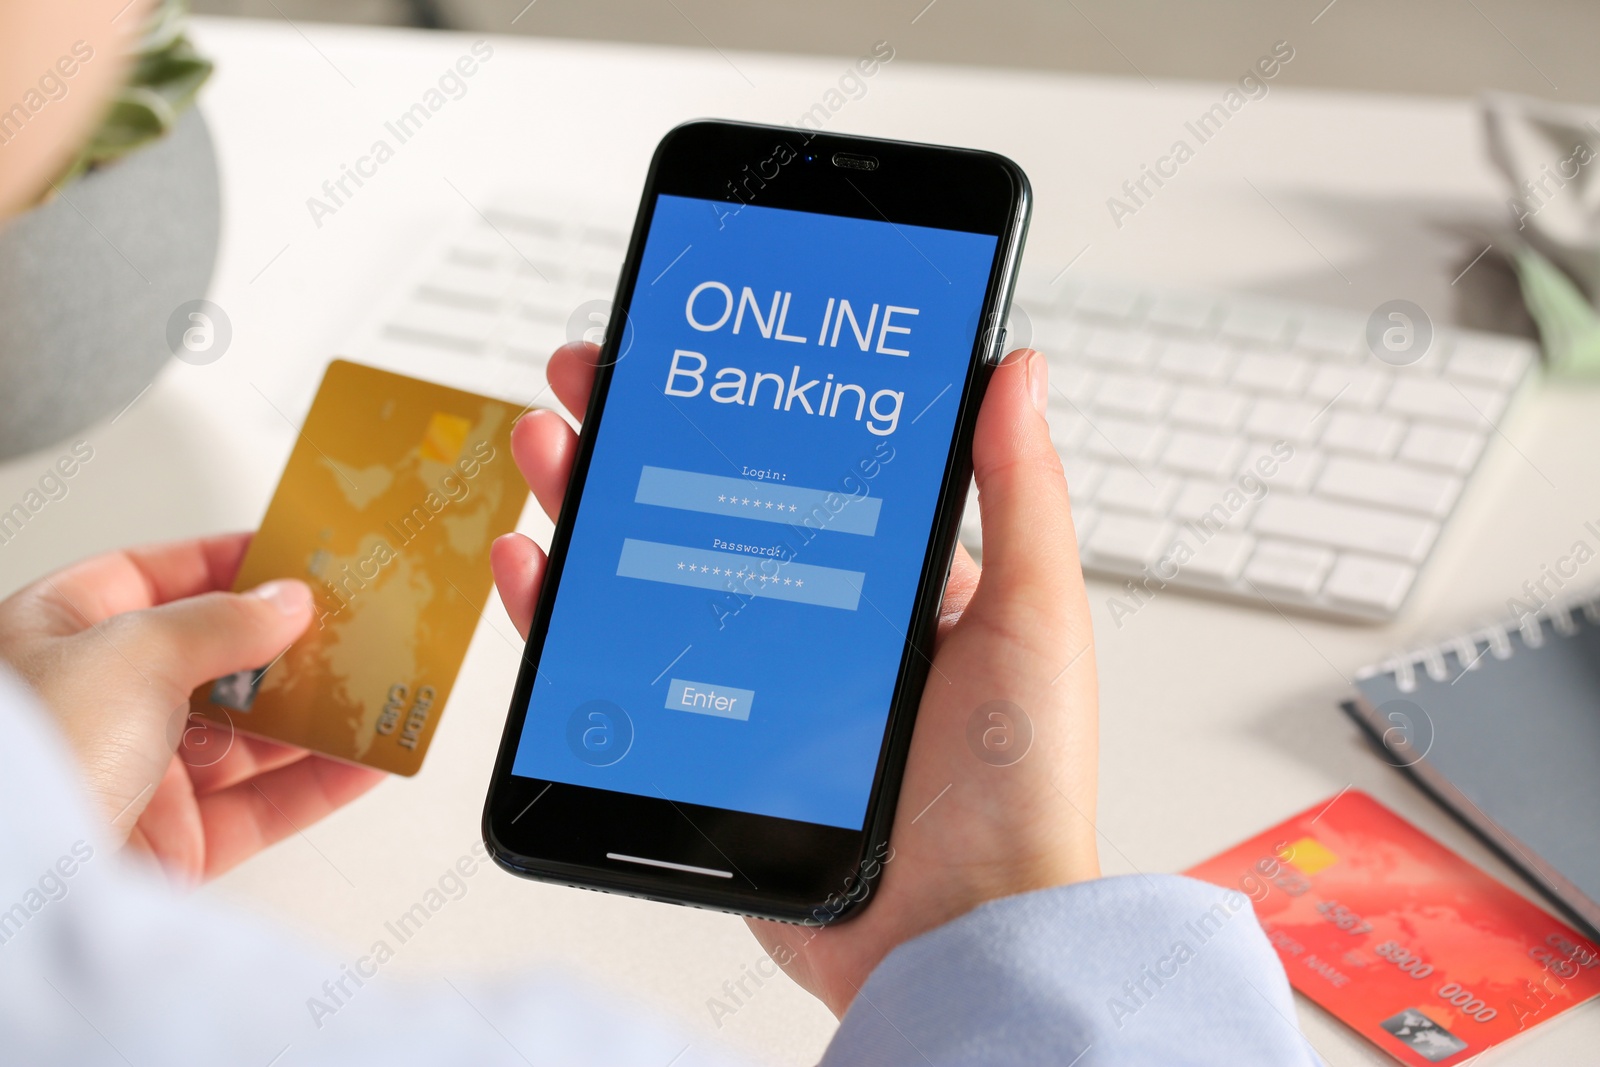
[1038, 381]
[286, 594]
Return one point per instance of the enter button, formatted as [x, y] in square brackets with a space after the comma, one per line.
[705, 699]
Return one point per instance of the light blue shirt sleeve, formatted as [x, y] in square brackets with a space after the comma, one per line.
[102, 963]
[1135, 970]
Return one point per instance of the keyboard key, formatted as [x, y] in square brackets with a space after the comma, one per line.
[1058, 339]
[605, 237]
[1500, 361]
[1068, 427]
[1285, 420]
[1262, 322]
[1332, 335]
[451, 298]
[1118, 347]
[477, 259]
[1344, 386]
[1436, 446]
[1071, 381]
[1128, 490]
[1061, 295]
[454, 283]
[1107, 302]
[552, 303]
[1083, 476]
[453, 328]
[1285, 467]
[1132, 442]
[530, 264]
[1181, 311]
[532, 357]
[524, 338]
[1369, 584]
[1431, 362]
[1207, 409]
[533, 227]
[1084, 518]
[1362, 434]
[1202, 454]
[1037, 292]
[482, 244]
[1354, 526]
[1215, 506]
[1128, 539]
[1393, 484]
[1280, 567]
[1205, 361]
[1220, 558]
[1126, 394]
[1277, 372]
[1446, 401]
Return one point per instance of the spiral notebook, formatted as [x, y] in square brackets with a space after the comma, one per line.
[1502, 726]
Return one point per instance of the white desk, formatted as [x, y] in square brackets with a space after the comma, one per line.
[1217, 720]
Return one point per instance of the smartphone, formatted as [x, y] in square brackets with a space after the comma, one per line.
[736, 619]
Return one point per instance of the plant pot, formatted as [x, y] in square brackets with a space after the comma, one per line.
[89, 280]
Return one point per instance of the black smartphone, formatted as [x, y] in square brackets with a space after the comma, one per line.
[736, 620]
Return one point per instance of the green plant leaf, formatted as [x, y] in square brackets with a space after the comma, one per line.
[165, 78]
[176, 73]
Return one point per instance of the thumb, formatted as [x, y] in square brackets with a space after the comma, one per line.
[194, 640]
[1030, 551]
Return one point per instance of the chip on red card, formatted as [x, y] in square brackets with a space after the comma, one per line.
[1420, 952]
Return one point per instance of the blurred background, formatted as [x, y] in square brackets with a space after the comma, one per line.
[1451, 47]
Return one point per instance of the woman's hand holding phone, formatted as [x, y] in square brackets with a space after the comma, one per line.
[974, 823]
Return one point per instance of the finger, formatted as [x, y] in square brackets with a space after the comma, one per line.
[543, 446]
[571, 375]
[1030, 552]
[192, 641]
[518, 566]
[244, 819]
[92, 590]
[245, 757]
[168, 828]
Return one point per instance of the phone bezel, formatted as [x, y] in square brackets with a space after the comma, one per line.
[781, 869]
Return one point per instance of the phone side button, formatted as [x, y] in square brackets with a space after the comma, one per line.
[999, 351]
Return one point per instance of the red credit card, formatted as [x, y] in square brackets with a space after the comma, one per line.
[1416, 949]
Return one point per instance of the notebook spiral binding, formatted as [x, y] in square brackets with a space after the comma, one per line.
[1494, 640]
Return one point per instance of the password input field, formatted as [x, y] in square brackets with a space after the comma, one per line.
[741, 575]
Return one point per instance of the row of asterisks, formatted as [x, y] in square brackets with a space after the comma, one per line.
[723, 498]
[740, 573]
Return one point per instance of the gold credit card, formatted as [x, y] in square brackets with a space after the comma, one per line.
[392, 495]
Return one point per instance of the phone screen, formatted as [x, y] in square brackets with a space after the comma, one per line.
[733, 608]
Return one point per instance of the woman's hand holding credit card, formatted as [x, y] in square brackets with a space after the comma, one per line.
[387, 508]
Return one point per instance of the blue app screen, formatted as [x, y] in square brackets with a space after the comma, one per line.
[736, 596]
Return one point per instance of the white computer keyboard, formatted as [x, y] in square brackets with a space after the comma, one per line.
[1214, 443]
[486, 304]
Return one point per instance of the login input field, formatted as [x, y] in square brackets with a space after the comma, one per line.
[766, 501]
